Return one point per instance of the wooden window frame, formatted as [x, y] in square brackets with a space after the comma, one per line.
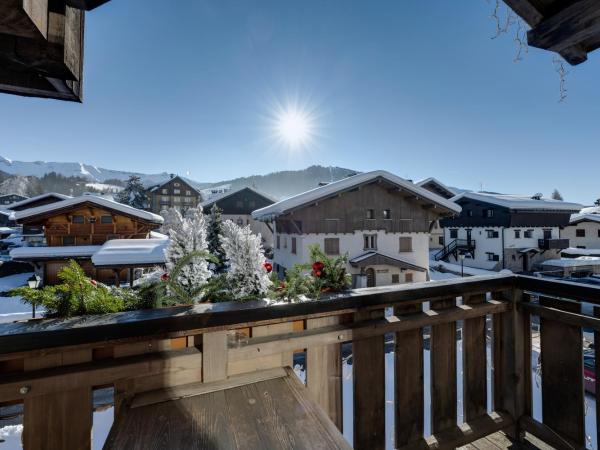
[69, 238]
[580, 232]
[294, 246]
[369, 242]
[78, 215]
[453, 233]
[333, 249]
[409, 277]
[395, 278]
[517, 234]
[405, 239]
[387, 214]
[102, 219]
[370, 214]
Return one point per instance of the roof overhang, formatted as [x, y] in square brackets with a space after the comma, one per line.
[374, 258]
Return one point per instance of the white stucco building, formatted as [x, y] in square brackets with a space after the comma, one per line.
[380, 221]
[583, 230]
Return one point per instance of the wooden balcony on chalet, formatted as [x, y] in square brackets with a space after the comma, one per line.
[218, 376]
[553, 244]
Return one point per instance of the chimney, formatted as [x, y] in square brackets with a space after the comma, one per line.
[172, 175]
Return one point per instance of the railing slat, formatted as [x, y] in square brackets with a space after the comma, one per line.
[368, 361]
[408, 381]
[562, 374]
[443, 371]
[58, 421]
[324, 372]
[474, 363]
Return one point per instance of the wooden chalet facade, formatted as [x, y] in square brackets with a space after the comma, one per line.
[238, 206]
[497, 231]
[173, 193]
[436, 237]
[41, 47]
[380, 221]
[76, 229]
[38, 200]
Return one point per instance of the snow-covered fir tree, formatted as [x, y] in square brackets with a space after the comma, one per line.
[172, 220]
[214, 231]
[187, 238]
[246, 276]
[133, 194]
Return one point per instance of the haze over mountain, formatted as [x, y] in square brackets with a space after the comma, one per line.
[74, 177]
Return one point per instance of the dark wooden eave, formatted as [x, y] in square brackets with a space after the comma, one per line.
[568, 27]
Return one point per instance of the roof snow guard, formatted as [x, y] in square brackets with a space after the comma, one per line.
[520, 202]
[346, 184]
[99, 201]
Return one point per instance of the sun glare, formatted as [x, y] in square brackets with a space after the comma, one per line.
[294, 127]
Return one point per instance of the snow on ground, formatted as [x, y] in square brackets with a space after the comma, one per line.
[13, 281]
[13, 308]
[105, 187]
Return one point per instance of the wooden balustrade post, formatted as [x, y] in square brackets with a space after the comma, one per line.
[474, 362]
[512, 361]
[408, 381]
[368, 361]
[324, 372]
[214, 356]
[561, 344]
[443, 370]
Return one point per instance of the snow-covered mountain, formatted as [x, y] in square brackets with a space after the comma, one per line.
[74, 169]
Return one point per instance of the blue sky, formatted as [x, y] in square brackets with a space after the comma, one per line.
[415, 87]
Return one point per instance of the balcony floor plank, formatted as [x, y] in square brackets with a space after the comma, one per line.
[500, 441]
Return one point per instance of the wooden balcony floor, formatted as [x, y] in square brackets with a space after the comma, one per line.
[502, 441]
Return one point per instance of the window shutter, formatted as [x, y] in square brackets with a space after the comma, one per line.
[332, 246]
[405, 244]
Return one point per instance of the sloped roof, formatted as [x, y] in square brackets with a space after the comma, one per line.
[520, 202]
[346, 184]
[577, 218]
[376, 258]
[122, 252]
[36, 198]
[451, 192]
[100, 201]
[39, 253]
[228, 194]
[154, 187]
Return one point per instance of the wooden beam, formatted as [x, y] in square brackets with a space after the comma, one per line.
[24, 18]
[568, 28]
[526, 10]
[86, 5]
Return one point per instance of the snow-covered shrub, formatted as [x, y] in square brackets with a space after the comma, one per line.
[247, 276]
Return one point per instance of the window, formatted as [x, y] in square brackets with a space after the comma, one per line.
[580, 232]
[441, 240]
[240, 222]
[165, 191]
[492, 234]
[77, 219]
[370, 241]
[581, 246]
[370, 213]
[547, 234]
[517, 234]
[453, 234]
[408, 277]
[489, 213]
[68, 240]
[92, 219]
[188, 192]
[332, 246]
[492, 256]
[405, 244]
[294, 245]
[176, 184]
[278, 241]
[598, 233]
[470, 213]
[106, 219]
[176, 199]
[285, 242]
[395, 278]
[176, 191]
[528, 234]
[387, 214]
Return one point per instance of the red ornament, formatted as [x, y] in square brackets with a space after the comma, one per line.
[318, 266]
[164, 277]
[268, 267]
[318, 274]
[94, 282]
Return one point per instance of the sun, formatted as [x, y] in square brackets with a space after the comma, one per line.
[294, 127]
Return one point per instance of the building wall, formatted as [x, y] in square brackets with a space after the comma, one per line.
[353, 245]
[436, 234]
[592, 235]
[506, 241]
[175, 193]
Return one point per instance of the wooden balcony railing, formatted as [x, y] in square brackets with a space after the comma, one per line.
[52, 366]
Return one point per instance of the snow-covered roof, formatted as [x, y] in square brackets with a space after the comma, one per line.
[122, 252]
[590, 210]
[36, 198]
[591, 217]
[520, 202]
[581, 251]
[573, 262]
[369, 256]
[160, 185]
[100, 201]
[71, 251]
[218, 197]
[437, 182]
[284, 206]
[5, 213]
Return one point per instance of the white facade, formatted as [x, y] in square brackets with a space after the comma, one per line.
[352, 244]
[584, 234]
[505, 245]
[256, 226]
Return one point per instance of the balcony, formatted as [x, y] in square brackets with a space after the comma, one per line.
[222, 365]
[553, 244]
